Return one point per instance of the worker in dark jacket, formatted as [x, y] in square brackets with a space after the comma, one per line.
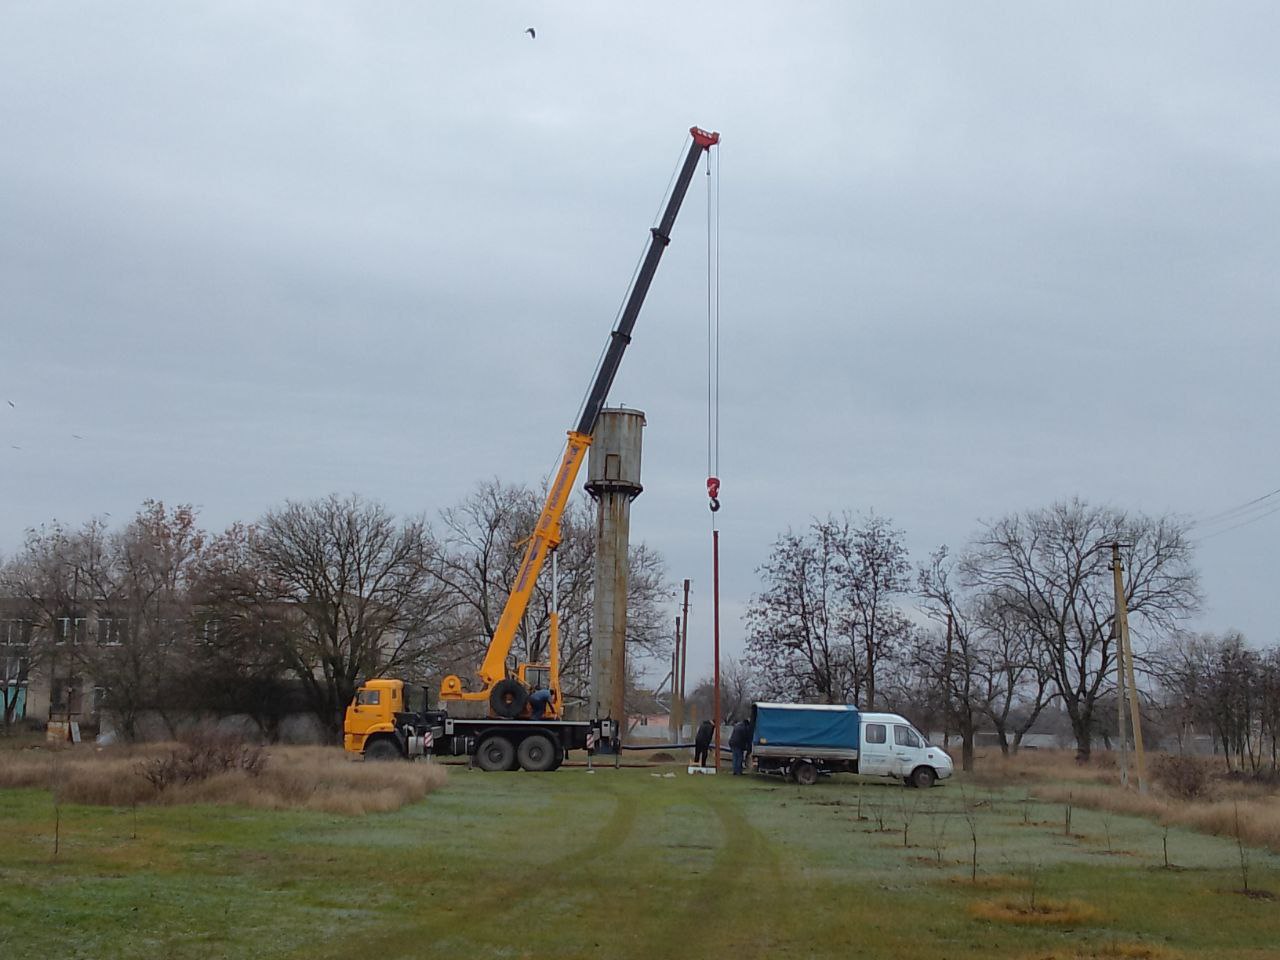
[702, 742]
[740, 744]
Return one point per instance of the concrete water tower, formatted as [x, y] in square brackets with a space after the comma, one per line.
[613, 480]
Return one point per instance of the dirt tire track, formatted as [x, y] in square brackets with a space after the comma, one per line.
[411, 935]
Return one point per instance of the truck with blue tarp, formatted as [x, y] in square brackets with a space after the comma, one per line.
[805, 741]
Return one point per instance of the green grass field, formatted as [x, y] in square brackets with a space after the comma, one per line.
[624, 864]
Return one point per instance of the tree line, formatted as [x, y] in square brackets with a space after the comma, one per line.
[1018, 622]
[293, 610]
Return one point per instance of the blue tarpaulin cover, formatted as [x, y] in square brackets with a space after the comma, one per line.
[796, 725]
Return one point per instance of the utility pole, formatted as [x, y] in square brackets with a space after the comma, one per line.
[673, 720]
[684, 650]
[1118, 632]
[1124, 657]
[946, 690]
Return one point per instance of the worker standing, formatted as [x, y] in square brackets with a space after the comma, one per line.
[702, 742]
[740, 744]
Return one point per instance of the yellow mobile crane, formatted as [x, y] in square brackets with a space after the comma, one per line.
[378, 723]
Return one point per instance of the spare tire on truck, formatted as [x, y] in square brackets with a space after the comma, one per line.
[507, 698]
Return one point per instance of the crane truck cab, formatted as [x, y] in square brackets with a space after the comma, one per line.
[369, 727]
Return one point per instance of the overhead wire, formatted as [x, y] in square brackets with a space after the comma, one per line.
[1241, 515]
[1237, 526]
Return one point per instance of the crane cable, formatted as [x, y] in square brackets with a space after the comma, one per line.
[713, 338]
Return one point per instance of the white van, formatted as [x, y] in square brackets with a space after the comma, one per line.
[804, 741]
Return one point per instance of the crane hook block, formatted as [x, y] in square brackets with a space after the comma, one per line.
[713, 492]
[706, 139]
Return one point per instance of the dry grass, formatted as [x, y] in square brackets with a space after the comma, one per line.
[293, 778]
[1056, 777]
[1259, 815]
[1040, 911]
[1109, 951]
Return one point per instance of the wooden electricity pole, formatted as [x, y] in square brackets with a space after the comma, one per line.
[1124, 670]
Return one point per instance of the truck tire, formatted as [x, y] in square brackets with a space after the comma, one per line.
[495, 753]
[382, 749]
[537, 753]
[805, 773]
[507, 698]
[924, 777]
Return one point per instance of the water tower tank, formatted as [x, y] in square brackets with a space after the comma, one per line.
[613, 464]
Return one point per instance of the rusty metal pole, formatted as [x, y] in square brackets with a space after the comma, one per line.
[684, 651]
[715, 602]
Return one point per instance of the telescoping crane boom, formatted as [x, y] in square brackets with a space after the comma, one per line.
[507, 693]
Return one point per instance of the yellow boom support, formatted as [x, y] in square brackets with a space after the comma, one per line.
[546, 536]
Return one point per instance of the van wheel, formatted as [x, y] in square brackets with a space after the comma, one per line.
[495, 753]
[382, 749]
[805, 773]
[923, 777]
[537, 753]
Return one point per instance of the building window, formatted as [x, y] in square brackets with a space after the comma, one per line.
[11, 669]
[111, 630]
[15, 633]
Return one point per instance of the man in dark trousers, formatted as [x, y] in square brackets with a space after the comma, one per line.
[740, 744]
[702, 742]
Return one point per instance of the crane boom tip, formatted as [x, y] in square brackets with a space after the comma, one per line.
[706, 139]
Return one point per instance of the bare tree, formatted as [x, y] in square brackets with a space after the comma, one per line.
[483, 540]
[143, 623]
[797, 638]
[875, 573]
[738, 691]
[348, 591]
[1047, 569]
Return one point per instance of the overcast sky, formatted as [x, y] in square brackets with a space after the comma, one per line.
[975, 257]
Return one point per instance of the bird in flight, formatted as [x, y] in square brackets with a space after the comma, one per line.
[77, 436]
[10, 402]
[533, 34]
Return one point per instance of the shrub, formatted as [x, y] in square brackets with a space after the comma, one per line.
[1183, 776]
[199, 757]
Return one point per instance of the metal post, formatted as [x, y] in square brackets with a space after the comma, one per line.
[684, 650]
[1119, 619]
[715, 602]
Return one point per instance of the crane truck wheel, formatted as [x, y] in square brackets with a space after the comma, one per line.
[537, 753]
[508, 698]
[382, 749]
[495, 753]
